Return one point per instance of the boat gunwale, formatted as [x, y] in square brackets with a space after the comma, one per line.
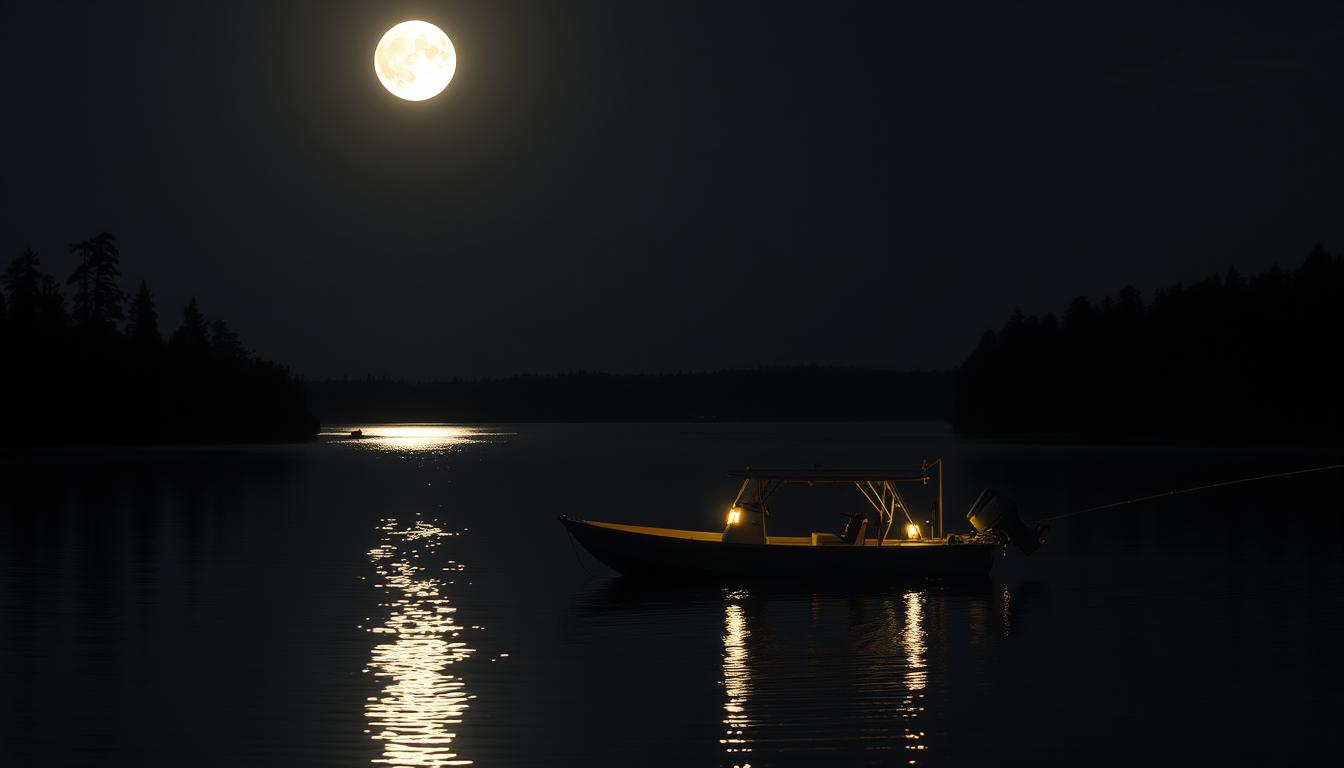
[716, 537]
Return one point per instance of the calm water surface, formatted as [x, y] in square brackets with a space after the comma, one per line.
[409, 600]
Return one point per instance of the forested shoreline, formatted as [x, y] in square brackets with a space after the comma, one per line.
[94, 367]
[1229, 358]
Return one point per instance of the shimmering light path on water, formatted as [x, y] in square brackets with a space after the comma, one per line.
[422, 703]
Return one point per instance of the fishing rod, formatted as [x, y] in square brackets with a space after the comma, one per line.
[1166, 494]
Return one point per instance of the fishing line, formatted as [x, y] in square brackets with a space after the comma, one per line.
[1224, 484]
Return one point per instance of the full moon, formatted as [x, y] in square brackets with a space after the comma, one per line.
[415, 60]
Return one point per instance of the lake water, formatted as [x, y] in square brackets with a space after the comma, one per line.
[409, 599]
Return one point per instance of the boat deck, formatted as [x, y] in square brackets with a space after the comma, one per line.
[780, 541]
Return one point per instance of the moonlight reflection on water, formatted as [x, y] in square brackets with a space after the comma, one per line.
[421, 704]
[406, 437]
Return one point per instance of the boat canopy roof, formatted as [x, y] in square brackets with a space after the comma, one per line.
[878, 486]
[838, 476]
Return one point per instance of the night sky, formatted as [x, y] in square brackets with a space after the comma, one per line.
[658, 186]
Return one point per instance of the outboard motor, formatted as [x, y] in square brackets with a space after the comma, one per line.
[997, 515]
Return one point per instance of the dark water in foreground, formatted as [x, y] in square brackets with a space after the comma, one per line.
[411, 601]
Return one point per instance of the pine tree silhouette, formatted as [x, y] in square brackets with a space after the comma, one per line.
[192, 336]
[98, 298]
[144, 322]
[23, 282]
[225, 343]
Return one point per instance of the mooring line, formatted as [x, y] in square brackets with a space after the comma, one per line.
[1225, 483]
[577, 558]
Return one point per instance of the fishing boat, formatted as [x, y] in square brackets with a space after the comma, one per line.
[870, 545]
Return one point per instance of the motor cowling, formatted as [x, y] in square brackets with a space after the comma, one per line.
[995, 514]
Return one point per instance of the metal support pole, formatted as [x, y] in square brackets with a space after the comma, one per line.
[940, 497]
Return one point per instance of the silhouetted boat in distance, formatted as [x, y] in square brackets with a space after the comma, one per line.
[356, 433]
[745, 549]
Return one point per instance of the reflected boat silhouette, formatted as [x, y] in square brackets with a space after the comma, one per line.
[744, 548]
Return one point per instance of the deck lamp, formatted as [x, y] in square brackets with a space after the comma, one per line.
[911, 531]
[734, 515]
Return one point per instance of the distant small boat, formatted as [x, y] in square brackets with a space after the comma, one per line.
[744, 549]
[356, 433]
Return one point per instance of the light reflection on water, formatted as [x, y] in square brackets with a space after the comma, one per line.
[405, 437]
[775, 695]
[420, 704]
[916, 671]
[736, 679]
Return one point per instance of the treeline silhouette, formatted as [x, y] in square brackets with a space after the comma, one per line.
[807, 393]
[94, 367]
[1231, 357]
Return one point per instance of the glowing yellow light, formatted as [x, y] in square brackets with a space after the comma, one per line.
[734, 515]
[911, 531]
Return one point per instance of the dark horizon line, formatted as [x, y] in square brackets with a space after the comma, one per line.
[1229, 272]
[597, 372]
